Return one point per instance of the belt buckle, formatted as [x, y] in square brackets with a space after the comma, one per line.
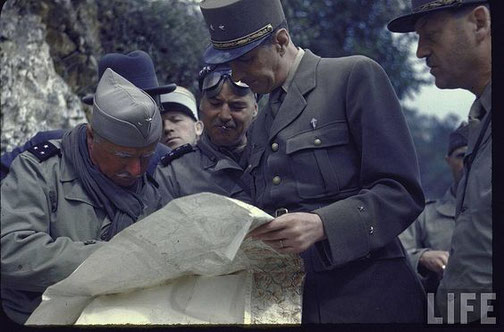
[279, 212]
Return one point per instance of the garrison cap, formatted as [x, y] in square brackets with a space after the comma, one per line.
[123, 114]
[238, 26]
[419, 8]
[180, 100]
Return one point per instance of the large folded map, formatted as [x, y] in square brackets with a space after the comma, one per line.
[188, 263]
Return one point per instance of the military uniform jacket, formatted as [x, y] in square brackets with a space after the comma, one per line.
[469, 268]
[202, 169]
[49, 227]
[431, 231]
[339, 147]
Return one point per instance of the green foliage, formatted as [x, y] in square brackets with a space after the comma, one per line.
[430, 136]
[340, 28]
[172, 32]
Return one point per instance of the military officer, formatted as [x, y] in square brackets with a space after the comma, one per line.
[180, 118]
[428, 239]
[332, 158]
[63, 198]
[215, 164]
[455, 40]
[138, 68]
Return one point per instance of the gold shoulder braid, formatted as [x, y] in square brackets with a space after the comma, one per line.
[243, 40]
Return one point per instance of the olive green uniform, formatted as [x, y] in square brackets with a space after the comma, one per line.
[431, 231]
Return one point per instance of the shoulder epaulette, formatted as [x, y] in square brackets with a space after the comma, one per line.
[44, 150]
[176, 153]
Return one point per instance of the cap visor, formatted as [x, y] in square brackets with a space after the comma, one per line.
[407, 23]
[215, 56]
[161, 89]
[88, 99]
[177, 107]
[404, 23]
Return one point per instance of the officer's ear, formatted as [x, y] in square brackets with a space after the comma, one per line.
[91, 140]
[282, 40]
[254, 112]
[89, 136]
[198, 127]
[480, 16]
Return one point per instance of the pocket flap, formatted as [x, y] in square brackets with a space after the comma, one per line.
[323, 137]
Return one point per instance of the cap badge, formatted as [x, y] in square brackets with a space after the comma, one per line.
[221, 27]
[435, 4]
[242, 41]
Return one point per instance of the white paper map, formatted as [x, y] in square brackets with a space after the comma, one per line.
[188, 263]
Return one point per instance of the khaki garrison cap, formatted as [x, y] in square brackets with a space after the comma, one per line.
[124, 114]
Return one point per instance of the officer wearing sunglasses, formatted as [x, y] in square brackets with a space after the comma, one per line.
[215, 164]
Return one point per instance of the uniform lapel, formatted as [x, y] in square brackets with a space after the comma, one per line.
[295, 102]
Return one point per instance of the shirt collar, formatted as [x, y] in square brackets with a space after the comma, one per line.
[293, 69]
[483, 104]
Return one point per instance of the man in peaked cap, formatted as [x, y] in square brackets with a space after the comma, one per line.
[428, 239]
[332, 159]
[63, 198]
[138, 68]
[455, 40]
[180, 118]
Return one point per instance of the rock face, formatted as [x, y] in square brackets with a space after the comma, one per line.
[34, 96]
[49, 51]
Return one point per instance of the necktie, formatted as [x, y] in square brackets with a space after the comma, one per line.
[276, 99]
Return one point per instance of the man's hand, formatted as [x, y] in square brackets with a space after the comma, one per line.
[291, 232]
[434, 260]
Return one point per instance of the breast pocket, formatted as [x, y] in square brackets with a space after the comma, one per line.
[310, 162]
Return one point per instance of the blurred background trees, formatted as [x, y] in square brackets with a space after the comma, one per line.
[79, 32]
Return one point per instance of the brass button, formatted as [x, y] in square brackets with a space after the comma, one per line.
[317, 142]
[277, 180]
[274, 147]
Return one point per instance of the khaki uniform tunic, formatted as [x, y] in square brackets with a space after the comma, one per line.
[469, 268]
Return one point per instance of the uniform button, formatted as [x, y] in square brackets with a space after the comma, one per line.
[277, 180]
[274, 147]
[371, 230]
[249, 166]
[361, 208]
[317, 142]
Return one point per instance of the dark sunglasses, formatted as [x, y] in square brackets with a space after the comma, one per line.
[210, 78]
